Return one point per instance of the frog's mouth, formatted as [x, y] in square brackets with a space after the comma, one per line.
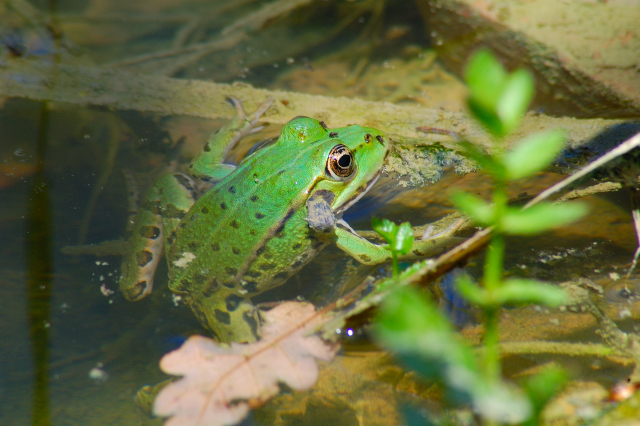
[361, 192]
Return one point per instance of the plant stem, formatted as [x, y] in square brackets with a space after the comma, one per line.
[493, 270]
[394, 262]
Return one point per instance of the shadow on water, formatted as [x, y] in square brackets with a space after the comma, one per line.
[39, 266]
[39, 261]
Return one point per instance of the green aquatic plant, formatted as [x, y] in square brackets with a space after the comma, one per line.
[410, 323]
[399, 238]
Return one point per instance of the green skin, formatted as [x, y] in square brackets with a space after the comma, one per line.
[260, 223]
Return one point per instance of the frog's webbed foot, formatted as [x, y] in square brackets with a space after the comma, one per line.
[447, 232]
[246, 125]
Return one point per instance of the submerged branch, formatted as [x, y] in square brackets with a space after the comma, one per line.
[170, 96]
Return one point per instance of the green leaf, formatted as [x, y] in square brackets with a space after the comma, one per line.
[471, 291]
[541, 217]
[514, 99]
[541, 388]
[485, 79]
[523, 290]
[486, 162]
[385, 228]
[487, 117]
[480, 211]
[404, 238]
[512, 291]
[533, 154]
[411, 325]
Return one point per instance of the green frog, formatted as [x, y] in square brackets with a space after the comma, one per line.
[260, 222]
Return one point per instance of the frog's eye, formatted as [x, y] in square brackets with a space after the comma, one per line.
[340, 164]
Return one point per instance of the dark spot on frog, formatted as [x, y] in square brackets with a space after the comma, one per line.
[296, 246]
[280, 172]
[260, 251]
[230, 271]
[232, 302]
[215, 246]
[134, 292]
[252, 232]
[253, 274]
[367, 138]
[365, 258]
[235, 224]
[194, 216]
[143, 257]
[223, 317]
[223, 206]
[172, 238]
[250, 319]
[259, 215]
[379, 138]
[193, 245]
[210, 288]
[153, 206]
[150, 232]
[184, 283]
[184, 181]
[281, 276]
[200, 279]
[207, 148]
[229, 284]
[283, 222]
[232, 189]
[333, 134]
[267, 266]
[301, 260]
[254, 198]
[172, 212]
[418, 252]
[250, 286]
[235, 250]
[199, 314]
[205, 210]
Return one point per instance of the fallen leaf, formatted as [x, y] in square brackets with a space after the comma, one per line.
[220, 384]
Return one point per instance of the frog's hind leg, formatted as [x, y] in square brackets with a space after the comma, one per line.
[154, 226]
[208, 164]
[145, 249]
[229, 316]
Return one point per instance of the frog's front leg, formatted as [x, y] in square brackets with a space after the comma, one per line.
[154, 227]
[208, 165]
[322, 220]
[369, 253]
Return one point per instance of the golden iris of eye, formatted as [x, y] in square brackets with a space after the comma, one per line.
[340, 164]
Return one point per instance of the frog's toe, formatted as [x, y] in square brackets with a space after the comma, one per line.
[237, 104]
[137, 291]
[261, 110]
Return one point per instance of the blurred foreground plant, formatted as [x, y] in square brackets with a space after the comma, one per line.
[410, 324]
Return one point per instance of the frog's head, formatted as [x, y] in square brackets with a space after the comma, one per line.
[345, 161]
[353, 159]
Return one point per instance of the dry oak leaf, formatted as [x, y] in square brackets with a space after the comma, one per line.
[220, 384]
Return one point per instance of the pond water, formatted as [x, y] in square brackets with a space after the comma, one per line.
[74, 351]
